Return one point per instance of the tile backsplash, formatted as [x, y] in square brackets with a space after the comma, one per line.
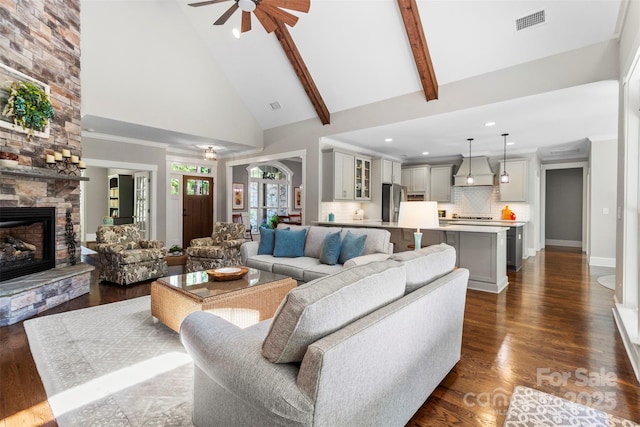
[342, 211]
[482, 201]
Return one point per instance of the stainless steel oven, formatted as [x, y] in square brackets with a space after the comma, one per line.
[415, 197]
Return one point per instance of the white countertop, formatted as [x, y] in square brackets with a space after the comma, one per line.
[482, 222]
[379, 224]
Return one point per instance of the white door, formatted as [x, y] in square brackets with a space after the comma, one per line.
[141, 201]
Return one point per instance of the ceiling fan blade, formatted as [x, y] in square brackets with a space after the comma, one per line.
[246, 22]
[267, 22]
[279, 14]
[299, 5]
[206, 3]
[227, 14]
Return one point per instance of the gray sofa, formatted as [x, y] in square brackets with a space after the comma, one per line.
[378, 247]
[349, 349]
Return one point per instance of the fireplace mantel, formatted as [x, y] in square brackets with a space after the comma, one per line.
[40, 173]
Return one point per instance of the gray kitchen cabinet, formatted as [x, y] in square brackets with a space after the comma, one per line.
[338, 176]
[441, 177]
[416, 179]
[516, 189]
[514, 247]
[391, 172]
[484, 255]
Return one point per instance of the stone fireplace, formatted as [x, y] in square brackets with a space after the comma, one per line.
[45, 46]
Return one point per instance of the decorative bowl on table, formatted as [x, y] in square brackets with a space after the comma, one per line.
[227, 273]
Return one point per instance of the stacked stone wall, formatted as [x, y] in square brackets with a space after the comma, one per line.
[41, 39]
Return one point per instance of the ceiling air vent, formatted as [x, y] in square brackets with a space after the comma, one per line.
[530, 20]
[275, 105]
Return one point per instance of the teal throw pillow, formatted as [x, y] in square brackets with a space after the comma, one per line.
[352, 246]
[289, 243]
[267, 241]
[331, 249]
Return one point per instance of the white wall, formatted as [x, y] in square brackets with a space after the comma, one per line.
[135, 69]
[603, 203]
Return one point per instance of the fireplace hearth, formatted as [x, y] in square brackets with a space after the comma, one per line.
[27, 241]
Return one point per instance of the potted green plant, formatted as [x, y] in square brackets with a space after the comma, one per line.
[28, 106]
[273, 221]
[175, 250]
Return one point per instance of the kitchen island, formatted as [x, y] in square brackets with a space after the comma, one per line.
[515, 236]
[481, 249]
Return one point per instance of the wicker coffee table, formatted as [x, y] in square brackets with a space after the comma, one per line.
[243, 302]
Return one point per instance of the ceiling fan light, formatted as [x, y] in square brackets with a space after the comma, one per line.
[247, 5]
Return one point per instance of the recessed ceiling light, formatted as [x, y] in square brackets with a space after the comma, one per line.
[388, 140]
[236, 33]
[510, 143]
[489, 124]
[425, 153]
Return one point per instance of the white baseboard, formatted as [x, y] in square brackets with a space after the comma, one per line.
[494, 288]
[597, 261]
[625, 319]
[529, 252]
[570, 243]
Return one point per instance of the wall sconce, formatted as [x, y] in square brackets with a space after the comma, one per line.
[470, 179]
[65, 162]
[209, 154]
[504, 176]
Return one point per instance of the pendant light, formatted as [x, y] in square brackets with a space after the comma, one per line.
[209, 154]
[470, 179]
[504, 176]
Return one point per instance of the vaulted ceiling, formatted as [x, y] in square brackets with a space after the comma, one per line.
[358, 52]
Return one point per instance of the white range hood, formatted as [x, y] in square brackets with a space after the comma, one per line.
[480, 169]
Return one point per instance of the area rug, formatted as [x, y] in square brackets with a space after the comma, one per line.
[533, 408]
[111, 365]
[608, 281]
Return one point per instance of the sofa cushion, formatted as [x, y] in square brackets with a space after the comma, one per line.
[321, 307]
[427, 264]
[289, 243]
[267, 241]
[320, 270]
[315, 239]
[352, 246]
[377, 239]
[330, 248]
[261, 262]
[293, 267]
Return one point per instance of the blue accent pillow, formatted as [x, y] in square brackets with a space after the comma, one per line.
[331, 249]
[352, 246]
[267, 241]
[289, 243]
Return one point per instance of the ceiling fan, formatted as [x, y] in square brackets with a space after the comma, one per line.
[268, 12]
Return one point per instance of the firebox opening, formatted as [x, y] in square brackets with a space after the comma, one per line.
[27, 241]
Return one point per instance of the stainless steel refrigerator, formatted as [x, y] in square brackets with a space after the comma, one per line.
[392, 195]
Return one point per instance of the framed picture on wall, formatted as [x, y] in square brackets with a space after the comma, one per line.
[297, 198]
[238, 196]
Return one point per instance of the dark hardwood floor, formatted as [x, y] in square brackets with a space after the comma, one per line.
[552, 329]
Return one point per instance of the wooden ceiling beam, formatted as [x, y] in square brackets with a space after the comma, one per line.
[291, 50]
[418, 42]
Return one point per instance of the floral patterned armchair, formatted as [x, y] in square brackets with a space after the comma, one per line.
[126, 258]
[222, 249]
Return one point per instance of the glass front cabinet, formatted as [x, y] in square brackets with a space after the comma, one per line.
[362, 178]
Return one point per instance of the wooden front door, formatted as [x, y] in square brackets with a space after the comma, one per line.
[197, 204]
